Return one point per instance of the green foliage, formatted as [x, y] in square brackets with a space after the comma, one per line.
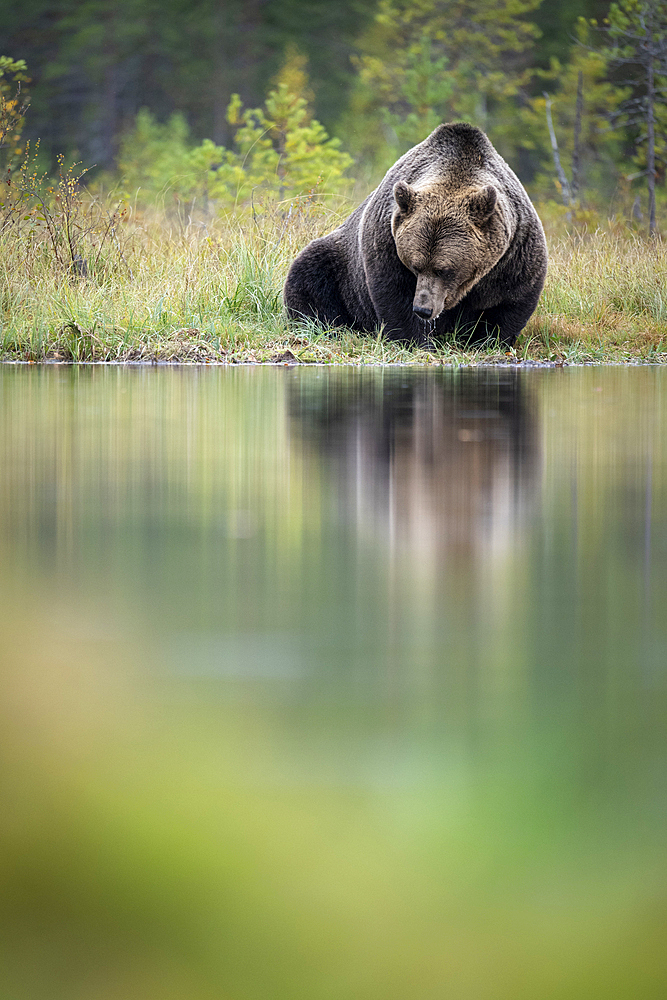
[416, 89]
[556, 23]
[430, 60]
[154, 158]
[636, 33]
[279, 152]
[13, 105]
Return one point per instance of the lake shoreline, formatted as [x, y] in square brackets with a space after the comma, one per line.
[491, 363]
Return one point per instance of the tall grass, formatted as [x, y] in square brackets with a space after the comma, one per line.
[147, 287]
[605, 295]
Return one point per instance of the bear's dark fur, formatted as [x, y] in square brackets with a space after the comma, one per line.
[450, 236]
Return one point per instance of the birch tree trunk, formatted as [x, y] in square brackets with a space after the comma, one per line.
[560, 173]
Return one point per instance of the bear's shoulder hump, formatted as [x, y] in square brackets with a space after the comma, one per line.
[462, 141]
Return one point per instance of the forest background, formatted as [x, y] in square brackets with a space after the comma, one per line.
[169, 95]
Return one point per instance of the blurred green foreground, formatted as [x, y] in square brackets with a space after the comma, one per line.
[333, 683]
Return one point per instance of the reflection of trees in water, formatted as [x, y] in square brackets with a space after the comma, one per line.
[428, 459]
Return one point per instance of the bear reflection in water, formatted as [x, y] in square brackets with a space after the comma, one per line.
[428, 460]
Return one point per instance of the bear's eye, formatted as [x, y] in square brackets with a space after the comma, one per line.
[445, 273]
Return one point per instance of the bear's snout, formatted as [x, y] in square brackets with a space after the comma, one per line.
[430, 297]
[424, 312]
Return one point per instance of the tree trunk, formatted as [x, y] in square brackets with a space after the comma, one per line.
[560, 173]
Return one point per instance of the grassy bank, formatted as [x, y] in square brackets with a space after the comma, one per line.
[145, 288]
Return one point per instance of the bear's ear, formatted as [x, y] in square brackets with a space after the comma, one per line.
[404, 196]
[482, 203]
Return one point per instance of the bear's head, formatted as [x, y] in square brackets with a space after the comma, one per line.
[449, 239]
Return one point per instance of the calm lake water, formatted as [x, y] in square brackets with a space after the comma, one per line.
[333, 683]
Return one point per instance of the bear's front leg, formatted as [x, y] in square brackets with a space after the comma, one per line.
[312, 289]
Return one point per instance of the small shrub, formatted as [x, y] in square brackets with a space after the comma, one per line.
[78, 233]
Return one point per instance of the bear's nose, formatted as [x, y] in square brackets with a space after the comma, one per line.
[422, 311]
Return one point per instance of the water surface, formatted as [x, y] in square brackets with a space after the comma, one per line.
[334, 682]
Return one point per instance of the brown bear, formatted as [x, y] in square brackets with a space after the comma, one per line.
[449, 243]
